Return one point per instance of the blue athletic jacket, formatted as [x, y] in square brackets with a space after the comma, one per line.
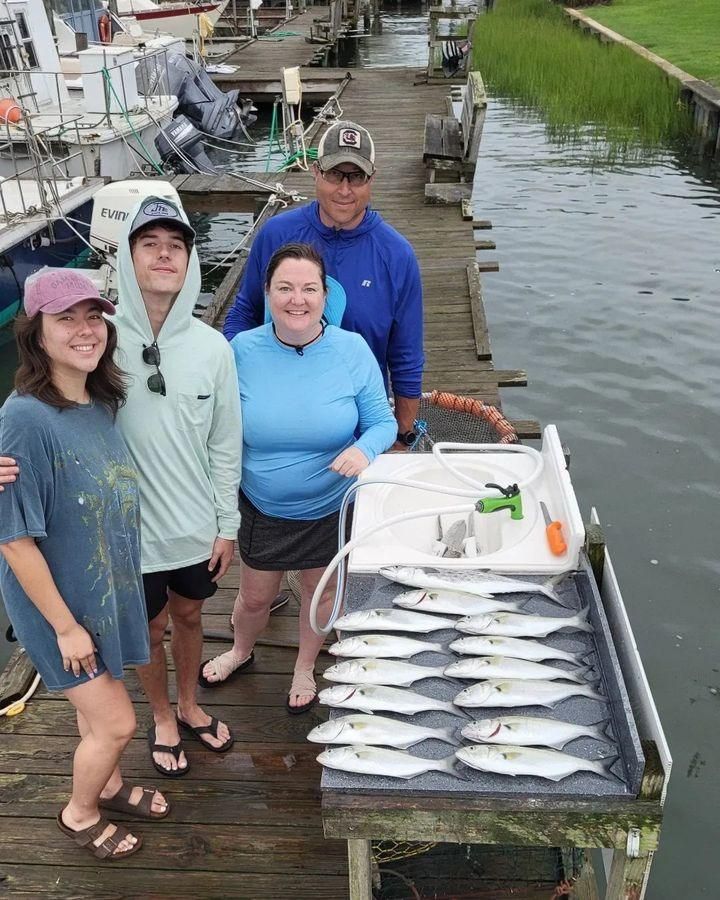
[379, 271]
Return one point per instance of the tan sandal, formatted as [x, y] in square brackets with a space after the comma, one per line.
[225, 667]
[85, 838]
[120, 802]
[303, 683]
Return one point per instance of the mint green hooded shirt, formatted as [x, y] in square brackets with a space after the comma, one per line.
[187, 446]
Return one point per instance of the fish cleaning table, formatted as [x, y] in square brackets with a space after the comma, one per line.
[626, 824]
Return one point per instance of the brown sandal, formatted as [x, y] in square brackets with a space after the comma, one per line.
[303, 683]
[120, 802]
[107, 850]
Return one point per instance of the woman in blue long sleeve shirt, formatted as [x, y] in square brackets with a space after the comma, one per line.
[315, 414]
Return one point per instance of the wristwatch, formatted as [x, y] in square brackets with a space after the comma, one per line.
[407, 437]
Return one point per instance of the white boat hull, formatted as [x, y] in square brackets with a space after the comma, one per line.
[178, 19]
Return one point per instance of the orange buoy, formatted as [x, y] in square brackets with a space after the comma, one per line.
[10, 111]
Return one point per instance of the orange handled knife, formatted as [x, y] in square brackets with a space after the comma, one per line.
[553, 530]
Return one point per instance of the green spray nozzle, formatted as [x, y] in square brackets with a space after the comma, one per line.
[510, 499]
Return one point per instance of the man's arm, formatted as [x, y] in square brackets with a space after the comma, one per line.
[248, 310]
[405, 349]
[225, 457]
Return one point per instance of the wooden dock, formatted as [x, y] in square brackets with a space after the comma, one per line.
[248, 824]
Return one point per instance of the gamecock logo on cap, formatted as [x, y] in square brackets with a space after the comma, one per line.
[349, 137]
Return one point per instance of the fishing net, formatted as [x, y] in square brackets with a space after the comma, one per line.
[473, 871]
[451, 417]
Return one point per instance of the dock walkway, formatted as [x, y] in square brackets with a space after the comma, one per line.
[248, 824]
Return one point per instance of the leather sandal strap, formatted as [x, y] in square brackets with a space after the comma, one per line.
[110, 844]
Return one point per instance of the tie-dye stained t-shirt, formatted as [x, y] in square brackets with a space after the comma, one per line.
[77, 495]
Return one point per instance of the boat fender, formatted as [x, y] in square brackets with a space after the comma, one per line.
[104, 28]
[10, 110]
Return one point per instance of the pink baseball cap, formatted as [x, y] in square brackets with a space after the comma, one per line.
[55, 290]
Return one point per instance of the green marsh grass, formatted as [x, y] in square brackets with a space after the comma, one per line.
[527, 51]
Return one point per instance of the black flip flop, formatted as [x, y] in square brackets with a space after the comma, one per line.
[203, 682]
[163, 748]
[212, 729]
[297, 710]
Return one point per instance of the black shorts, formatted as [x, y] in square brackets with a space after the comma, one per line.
[271, 544]
[194, 582]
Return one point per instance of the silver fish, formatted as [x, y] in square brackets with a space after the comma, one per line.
[392, 620]
[486, 645]
[367, 729]
[522, 693]
[518, 625]
[380, 671]
[379, 761]
[371, 698]
[379, 646]
[506, 759]
[532, 731]
[452, 603]
[482, 584]
[479, 667]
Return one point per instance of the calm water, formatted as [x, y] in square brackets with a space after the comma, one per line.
[607, 296]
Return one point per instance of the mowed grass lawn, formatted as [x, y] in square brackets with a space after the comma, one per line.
[684, 32]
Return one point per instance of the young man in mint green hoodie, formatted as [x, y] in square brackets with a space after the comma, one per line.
[182, 426]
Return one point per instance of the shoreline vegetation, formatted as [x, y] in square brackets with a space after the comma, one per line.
[686, 34]
[529, 53]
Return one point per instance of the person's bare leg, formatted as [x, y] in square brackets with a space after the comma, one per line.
[115, 781]
[186, 645]
[309, 642]
[154, 680]
[107, 710]
[250, 616]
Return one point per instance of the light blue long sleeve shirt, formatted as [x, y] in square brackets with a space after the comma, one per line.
[300, 412]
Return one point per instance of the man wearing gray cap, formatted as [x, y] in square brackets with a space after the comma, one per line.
[375, 265]
[182, 426]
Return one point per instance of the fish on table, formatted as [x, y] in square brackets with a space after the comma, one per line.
[392, 620]
[452, 603]
[374, 730]
[370, 698]
[477, 668]
[518, 648]
[505, 624]
[380, 671]
[482, 584]
[364, 760]
[532, 731]
[514, 692]
[382, 646]
[506, 759]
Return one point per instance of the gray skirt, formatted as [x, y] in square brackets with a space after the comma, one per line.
[271, 544]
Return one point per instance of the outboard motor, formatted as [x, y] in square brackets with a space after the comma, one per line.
[205, 105]
[180, 145]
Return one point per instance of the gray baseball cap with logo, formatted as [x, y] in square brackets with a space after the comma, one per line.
[158, 211]
[347, 142]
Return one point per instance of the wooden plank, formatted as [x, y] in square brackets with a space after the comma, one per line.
[432, 141]
[171, 847]
[360, 869]
[479, 224]
[491, 822]
[488, 265]
[628, 876]
[527, 429]
[447, 193]
[477, 312]
[102, 880]
[485, 245]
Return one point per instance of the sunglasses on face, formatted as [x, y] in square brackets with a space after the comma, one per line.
[151, 357]
[356, 178]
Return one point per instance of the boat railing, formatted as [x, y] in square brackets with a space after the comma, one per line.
[39, 177]
[116, 87]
